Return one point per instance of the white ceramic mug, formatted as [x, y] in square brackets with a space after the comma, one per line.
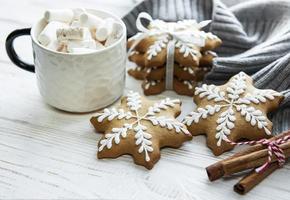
[75, 82]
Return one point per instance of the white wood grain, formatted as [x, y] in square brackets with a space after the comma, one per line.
[49, 154]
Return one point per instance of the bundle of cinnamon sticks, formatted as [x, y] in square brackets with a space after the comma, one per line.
[249, 158]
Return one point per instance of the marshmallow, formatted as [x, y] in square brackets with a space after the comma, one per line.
[75, 24]
[77, 12]
[90, 44]
[84, 47]
[61, 15]
[48, 34]
[105, 29]
[62, 47]
[89, 20]
[81, 50]
[73, 34]
[76, 31]
[115, 34]
[53, 45]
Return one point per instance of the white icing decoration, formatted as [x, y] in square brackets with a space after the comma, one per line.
[211, 92]
[201, 113]
[134, 101]
[214, 54]
[133, 53]
[157, 46]
[162, 105]
[148, 70]
[148, 83]
[186, 49]
[168, 123]
[236, 98]
[188, 69]
[255, 117]
[114, 135]
[189, 84]
[143, 138]
[259, 96]
[113, 113]
[191, 71]
[225, 123]
[208, 35]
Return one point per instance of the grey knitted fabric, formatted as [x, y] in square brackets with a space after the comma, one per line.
[255, 35]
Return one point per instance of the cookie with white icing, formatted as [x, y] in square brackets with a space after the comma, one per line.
[143, 45]
[153, 87]
[140, 128]
[154, 50]
[137, 57]
[165, 43]
[180, 72]
[187, 54]
[232, 112]
[182, 87]
[207, 58]
[138, 72]
[212, 41]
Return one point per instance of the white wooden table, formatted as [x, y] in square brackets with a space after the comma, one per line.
[49, 154]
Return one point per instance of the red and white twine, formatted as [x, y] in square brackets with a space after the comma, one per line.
[273, 148]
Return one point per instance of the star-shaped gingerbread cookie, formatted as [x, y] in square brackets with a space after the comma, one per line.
[140, 127]
[232, 112]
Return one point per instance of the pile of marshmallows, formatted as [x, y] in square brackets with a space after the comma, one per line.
[77, 31]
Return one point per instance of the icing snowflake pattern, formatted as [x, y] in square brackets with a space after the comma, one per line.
[142, 137]
[186, 49]
[180, 41]
[235, 98]
[158, 45]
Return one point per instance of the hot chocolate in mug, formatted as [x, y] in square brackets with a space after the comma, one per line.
[81, 82]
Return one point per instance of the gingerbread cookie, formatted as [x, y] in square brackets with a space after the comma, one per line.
[232, 112]
[154, 53]
[207, 58]
[182, 87]
[180, 72]
[137, 57]
[140, 127]
[171, 55]
[184, 82]
[138, 72]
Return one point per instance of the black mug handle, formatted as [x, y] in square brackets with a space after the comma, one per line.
[11, 52]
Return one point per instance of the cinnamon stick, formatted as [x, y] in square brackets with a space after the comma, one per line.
[251, 180]
[215, 171]
[252, 160]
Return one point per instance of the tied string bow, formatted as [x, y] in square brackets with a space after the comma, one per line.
[273, 149]
[187, 31]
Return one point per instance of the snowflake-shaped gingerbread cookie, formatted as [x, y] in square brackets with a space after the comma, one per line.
[140, 127]
[232, 112]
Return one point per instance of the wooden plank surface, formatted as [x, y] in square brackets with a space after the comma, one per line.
[50, 154]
